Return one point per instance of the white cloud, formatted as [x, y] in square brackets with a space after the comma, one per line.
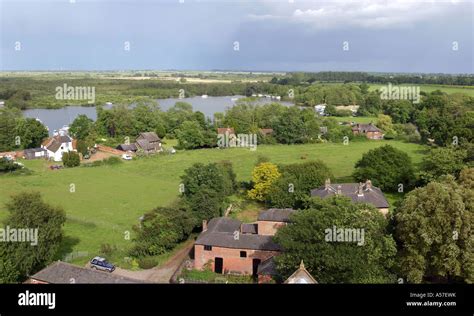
[374, 14]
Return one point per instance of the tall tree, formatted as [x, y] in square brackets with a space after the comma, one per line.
[346, 258]
[435, 227]
[81, 127]
[31, 132]
[387, 168]
[8, 119]
[264, 176]
[29, 211]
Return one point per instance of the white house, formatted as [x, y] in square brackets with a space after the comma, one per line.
[57, 145]
[320, 108]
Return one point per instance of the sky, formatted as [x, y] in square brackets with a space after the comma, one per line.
[260, 35]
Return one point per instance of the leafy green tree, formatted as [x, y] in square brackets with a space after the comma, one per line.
[296, 182]
[384, 122]
[206, 188]
[205, 204]
[71, 159]
[81, 127]
[387, 168]
[8, 133]
[372, 105]
[82, 147]
[31, 132]
[399, 110]
[289, 128]
[199, 176]
[434, 225]
[161, 230]
[190, 135]
[19, 259]
[306, 238]
[466, 178]
[241, 117]
[443, 161]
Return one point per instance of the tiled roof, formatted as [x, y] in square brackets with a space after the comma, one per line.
[267, 267]
[364, 128]
[276, 215]
[361, 193]
[149, 136]
[249, 228]
[223, 130]
[225, 232]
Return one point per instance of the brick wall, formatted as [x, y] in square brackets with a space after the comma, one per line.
[231, 258]
[269, 228]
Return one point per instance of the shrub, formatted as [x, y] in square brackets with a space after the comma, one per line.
[147, 262]
[71, 159]
[8, 166]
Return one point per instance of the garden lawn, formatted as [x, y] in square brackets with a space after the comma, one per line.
[108, 200]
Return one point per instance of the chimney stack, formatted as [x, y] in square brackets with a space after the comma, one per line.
[327, 183]
[204, 225]
[339, 190]
[368, 185]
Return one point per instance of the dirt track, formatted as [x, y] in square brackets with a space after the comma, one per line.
[160, 274]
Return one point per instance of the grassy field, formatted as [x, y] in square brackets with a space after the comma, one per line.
[469, 90]
[108, 200]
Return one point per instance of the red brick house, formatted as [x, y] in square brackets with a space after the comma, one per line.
[225, 130]
[369, 130]
[230, 246]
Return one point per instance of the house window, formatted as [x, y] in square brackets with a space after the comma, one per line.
[243, 254]
[207, 248]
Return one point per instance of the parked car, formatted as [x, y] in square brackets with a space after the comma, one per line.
[127, 157]
[99, 263]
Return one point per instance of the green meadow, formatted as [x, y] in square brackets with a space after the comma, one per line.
[103, 203]
[468, 90]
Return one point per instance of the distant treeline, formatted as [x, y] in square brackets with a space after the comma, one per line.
[23, 93]
[297, 78]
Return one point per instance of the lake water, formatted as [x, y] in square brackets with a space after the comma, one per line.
[57, 118]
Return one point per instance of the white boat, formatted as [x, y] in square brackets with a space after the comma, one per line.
[204, 96]
[234, 99]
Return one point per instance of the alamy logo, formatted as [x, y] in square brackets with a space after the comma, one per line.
[240, 140]
[356, 235]
[9, 234]
[390, 92]
[37, 299]
[66, 92]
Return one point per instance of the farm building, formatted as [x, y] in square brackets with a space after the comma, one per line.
[369, 130]
[147, 142]
[35, 153]
[230, 246]
[357, 192]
